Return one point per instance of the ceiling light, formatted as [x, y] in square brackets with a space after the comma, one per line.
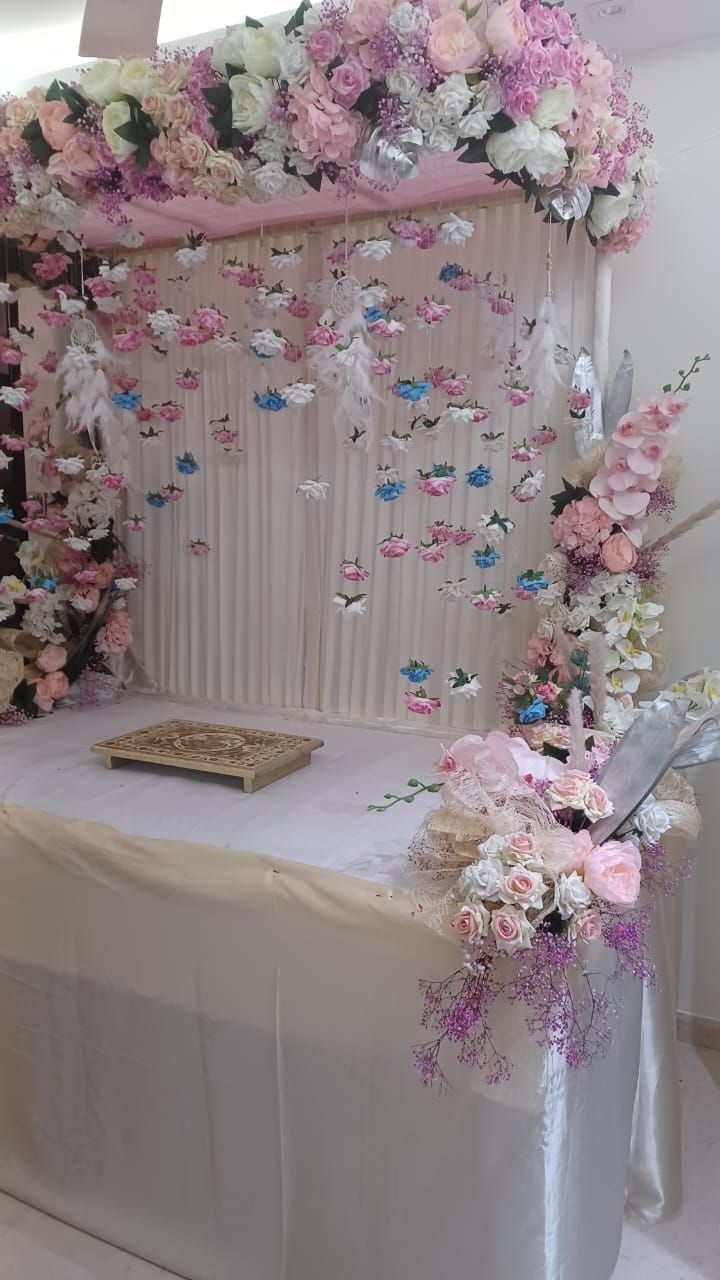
[612, 9]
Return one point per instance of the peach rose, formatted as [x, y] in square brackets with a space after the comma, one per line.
[470, 923]
[49, 688]
[505, 29]
[453, 45]
[597, 803]
[524, 887]
[52, 658]
[618, 553]
[612, 872]
[53, 120]
[511, 929]
[522, 843]
[588, 926]
[104, 573]
[569, 790]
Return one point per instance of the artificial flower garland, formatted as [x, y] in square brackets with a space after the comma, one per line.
[272, 109]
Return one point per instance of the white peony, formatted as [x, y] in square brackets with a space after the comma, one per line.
[549, 158]
[555, 106]
[451, 99]
[101, 82]
[137, 78]
[115, 115]
[272, 179]
[607, 212]
[652, 819]
[228, 50]
[263, 48]
[525, 146]
[251, 99]
[572, 895]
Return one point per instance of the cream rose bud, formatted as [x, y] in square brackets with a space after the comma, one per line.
[101, 83]
[263, 48]
[482, 879]
[137, 78]
[652, 819]
[492, 846]
[251, 99]
[115, 115]
[228, 50]
[511, 929]
[555, 106]
[572, 895]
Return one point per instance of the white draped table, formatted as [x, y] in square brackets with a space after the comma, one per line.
[207, 1006]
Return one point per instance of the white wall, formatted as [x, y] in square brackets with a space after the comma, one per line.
[666, 308]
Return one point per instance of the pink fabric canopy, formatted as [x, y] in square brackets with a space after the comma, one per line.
[441, 180]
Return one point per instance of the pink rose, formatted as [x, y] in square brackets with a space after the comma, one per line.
[52, 658]
[490, 759]
[394, 547]
[445, 763]
[54, 125]
[49, 688]
[100, 286]
[432, 554]
[421, 706]
[437, 486]
[456, 386]
[505, 29]
[300, 308]
[170, 412]
[127, 340]
[579, 400]
[522, 843]
[618, 553]
[113, 481]
[524, 887]
[51, 265]
[588, 926]
[563, 23]
[144, 275]
[323, 336]
[511, 929]
[188, 382]
[209, 318]
[518, 395]
[612, 872]
[353, 572]
[539, 22]
[461, 537]
[116, 636]
[189, 335]
[454, 45]
[468, 924]
[324, 45]
[349, 80]
[569, 790]
[80, 155]
[292, 353]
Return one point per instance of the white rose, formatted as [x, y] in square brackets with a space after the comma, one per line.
[451, 99]
[652, 819]
[101, 83]
[475, 124]
[572, 895]
[251, 98]
[522, 887]
[508, 151]
[607, 212]
[649, 169]
[295, 63]
[555, 106]
[424, 112]
[406, 20]
[263, 49]
[114, 115]
[403, 85]
[483, 879]
[137, 77]
[229, 50]
[299, 393]
[271, 179]
[441, 140]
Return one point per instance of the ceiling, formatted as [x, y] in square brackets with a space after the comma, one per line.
[41, 36]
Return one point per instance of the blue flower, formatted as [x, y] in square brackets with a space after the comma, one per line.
[155, 500]
[47, 584]
[536, 711]
[271, 400]
[479, 477]
[6, 515]
[388, 491]
[416, 673]
[261, 355]
[486, 558]
[186, 465]
[450, 271]
[530, 581]
[412, 390]
[127, 399]
[374, 313]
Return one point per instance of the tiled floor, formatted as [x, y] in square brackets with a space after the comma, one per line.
[34, 1247]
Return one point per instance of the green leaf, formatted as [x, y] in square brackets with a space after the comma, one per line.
[667, 387]
[54, 93]
[230, 71]
[252, 22]
[557, 753]
[476, 152]
[297, 18]
[502, 123]
[570, 493]
[313, 180]
[367, 103]
[41, 150]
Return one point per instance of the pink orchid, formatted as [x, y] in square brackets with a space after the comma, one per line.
[55, 319]
[100, 287]
[113, 481]
[441, 532]
[170, 412]
[382, 365]
[144, 276]
[500, 304]
[341, 253]
[209, 318]
[188, 380]
[461, 537]
[432, 312]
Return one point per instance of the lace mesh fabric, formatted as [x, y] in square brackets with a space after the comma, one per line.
[448, 838]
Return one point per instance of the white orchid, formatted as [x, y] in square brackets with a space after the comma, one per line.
[455, 230]
[315, 489]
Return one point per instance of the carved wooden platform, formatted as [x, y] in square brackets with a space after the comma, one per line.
[256, 756]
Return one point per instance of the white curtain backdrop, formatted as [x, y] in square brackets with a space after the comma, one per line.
[253, 625]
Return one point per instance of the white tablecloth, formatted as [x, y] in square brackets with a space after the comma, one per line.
[205, 1048]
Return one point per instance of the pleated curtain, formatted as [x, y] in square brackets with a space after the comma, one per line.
[253, 624]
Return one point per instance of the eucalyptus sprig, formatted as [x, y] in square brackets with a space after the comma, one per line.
[418, 788]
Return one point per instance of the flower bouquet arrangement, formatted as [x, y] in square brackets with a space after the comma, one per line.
[534, 861]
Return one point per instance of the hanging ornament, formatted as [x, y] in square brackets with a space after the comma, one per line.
[566, 203]
[542, 368]
[387, 161]
[589, 426]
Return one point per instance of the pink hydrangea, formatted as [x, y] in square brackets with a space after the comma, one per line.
[323, 129]
[117, 633]
[582, 526]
